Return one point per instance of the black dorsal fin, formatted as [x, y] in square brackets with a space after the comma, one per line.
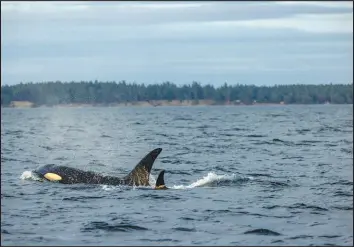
[139, 176]
[160, 182]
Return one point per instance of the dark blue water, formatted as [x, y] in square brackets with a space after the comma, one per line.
[247, 175]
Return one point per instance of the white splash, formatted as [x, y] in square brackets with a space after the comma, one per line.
[29, 175]
[210, 178]
[108, 187]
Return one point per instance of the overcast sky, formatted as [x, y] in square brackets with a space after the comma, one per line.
[261, 43]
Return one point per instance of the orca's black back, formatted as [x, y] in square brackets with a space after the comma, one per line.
[71, 175]
[139, 176]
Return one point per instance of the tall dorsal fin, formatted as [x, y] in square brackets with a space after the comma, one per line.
[140, 174]
[160, 182]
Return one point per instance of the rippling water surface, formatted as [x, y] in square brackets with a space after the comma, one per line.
[248, 175]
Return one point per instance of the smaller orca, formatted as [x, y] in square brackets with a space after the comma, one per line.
[139, 176]
[160, 182]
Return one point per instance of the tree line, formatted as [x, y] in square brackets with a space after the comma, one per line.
[88, 92]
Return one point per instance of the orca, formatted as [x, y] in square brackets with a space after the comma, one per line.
[139, 176]
[160, 182]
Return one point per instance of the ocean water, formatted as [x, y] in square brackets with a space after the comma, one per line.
[238, 175]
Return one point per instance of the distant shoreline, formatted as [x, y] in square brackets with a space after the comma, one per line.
[84, 93]
[154, 103]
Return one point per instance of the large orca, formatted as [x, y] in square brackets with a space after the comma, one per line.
[139, 176]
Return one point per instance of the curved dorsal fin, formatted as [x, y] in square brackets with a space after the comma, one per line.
[160, 182]
[140, 174]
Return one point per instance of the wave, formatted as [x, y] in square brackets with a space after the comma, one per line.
[121, 227]
[298, 206]
[262, 231]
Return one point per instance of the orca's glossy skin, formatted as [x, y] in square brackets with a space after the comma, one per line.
[139, 176]
[160, 182]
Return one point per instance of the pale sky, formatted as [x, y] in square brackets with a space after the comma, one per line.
[260, 43]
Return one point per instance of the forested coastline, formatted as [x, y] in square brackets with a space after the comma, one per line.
[108, 93]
